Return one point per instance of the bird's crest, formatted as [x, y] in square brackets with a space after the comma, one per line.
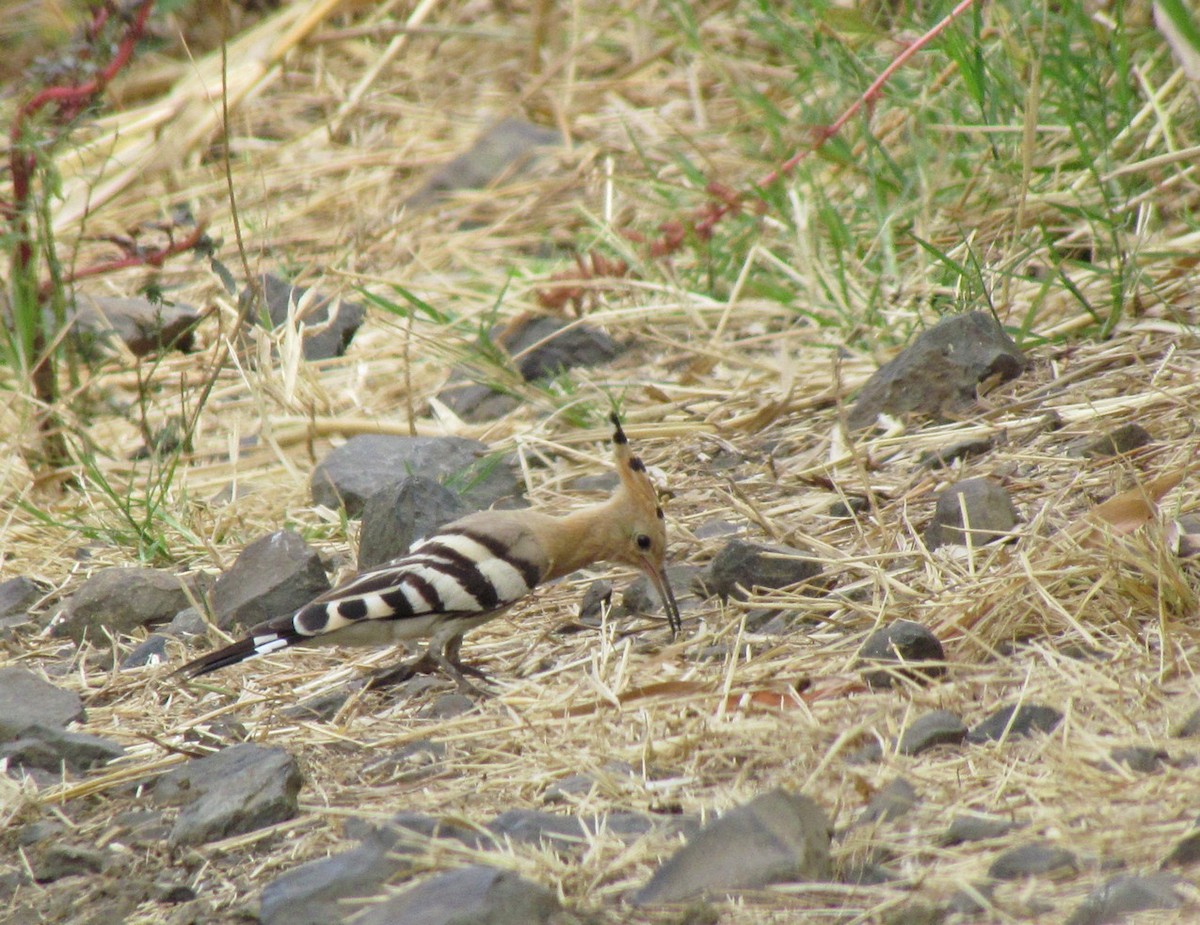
[634, 478]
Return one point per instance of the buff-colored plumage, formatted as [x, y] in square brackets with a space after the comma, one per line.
[471, 571]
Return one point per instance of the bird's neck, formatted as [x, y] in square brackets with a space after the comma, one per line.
[590, 534]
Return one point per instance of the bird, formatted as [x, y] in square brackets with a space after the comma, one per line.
[471, 571]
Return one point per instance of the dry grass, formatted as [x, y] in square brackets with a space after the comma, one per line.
[337, 120]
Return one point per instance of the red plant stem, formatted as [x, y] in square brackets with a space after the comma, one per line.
[715, 212]
[70, 101]
[154, 258]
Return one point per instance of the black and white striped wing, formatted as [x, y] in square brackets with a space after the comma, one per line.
[460, 573]
[455, 575]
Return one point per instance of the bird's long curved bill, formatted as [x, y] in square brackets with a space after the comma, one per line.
[659, 580]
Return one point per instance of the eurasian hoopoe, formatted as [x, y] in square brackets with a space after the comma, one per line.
[471, 571]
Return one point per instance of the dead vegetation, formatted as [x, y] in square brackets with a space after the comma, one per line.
[338, 116]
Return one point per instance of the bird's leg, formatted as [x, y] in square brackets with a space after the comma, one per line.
[435, 658]
[451, 652]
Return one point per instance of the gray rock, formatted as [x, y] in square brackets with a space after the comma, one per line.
[234, 791]
[66, 860]
[1143, 758]
[970, 827]
[1012, 721]
[990, 515]
[902, 643]
[1189, 728]
[777, 837]
[150, 651]
[892, 802]
[144, 327]
[566, 834]
[539, 347]
[1113, 900]
[853, 504]
[1186, 851]
[938, 373]
[971, 900]
[410, 762]
[943, 458]
[368, 463]
[641, 597]
[475, 895]
[17, 595]
[120, 600]
[396, 516]
[941, 727]
[322, 891]
[1033, 860]
[448, 706]
[273, 576]
[1124, 439]
[188, 622]
[26, 700]
[49, 748]
[740, 567]
[504, 150]
[597, 596]
[329, 324]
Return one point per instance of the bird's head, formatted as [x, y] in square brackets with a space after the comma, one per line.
[642, 526]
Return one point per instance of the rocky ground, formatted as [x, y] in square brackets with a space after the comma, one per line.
[936, 546]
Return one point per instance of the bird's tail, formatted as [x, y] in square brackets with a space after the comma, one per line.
[270, 637]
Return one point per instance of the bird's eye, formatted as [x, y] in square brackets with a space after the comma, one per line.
[643, 541]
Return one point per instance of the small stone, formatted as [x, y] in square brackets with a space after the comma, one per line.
[892, 802]
[717, 527]
[144, 327]
[236, 790]
[938, 374]
[941, 727]
[26, 700]
[1186, 851]
[853, 504]
[535, 827]
[119, 600]
[49, 748]
[971, 827]
[396, 516]
[777, 837]
[1012, 721]
[506, 149]
[1125, 439]
[448, 706]
[741, 567]
[972, 900]
[1183, 536]
[944, 458]
[273, 576]
[411, 762]
[1033, 860]
[323, 891]
[37, 832]
[1115, 899]
[368, 463]
[641, 597]
[478, 894]
[151, 651]
[188, 622]
[321, 707]
[540, 347]
[1143, 758]
[989, 515]
[170, 893]
[329, 323]
[597, 597]
[915, 913]
[66, 860]
[1190, 727]
[902, 643]
[17, 595]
